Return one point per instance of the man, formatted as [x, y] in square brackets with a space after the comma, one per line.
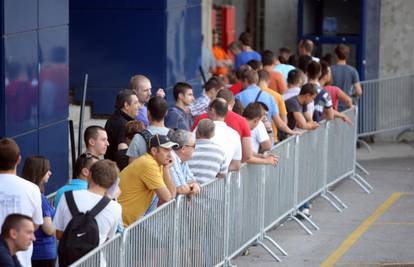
[141, 85]
[297, 107]
[247, 51]
[17, 234]
[146, 177]
[234, 48]
[181, 174]
[157, 109]
[126, 109]
[281, 62]
[178, 116]
[20, 195]
[200, 105]
[225, 136]
[295, 82]
[260, 139]
[222, 59]
[305, 48]
[102, 176]
[345, 76]
[253, 93]
[276, 80]
[96, 140]
[208, 160]
[80, 177]
[238, 86]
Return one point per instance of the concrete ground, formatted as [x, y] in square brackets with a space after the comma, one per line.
[376, 229]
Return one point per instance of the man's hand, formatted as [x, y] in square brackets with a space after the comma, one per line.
[160, 92]
[169, 164]
[271, 159]
[347, 120]
[314, 125]
[195, 188]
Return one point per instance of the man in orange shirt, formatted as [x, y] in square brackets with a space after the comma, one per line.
[276, 81]
[222, 59]
[263, 84]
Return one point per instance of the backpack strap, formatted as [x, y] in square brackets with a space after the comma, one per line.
[71, 203]
[258, 95]
[146, 135]
[100, 206]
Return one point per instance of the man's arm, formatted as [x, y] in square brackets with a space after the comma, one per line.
[302, 123]
[281, 125]
[246, 143]
[344, 98]
[234, 165]
[357, 89]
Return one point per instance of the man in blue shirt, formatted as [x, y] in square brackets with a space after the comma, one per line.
[178, 116]
[253, 93]
[80, 181]
[247, 53]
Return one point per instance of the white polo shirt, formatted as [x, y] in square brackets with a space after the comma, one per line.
[229, 140]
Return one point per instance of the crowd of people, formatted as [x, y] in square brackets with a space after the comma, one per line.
[148, 151]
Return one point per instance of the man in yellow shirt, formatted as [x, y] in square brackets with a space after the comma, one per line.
[146, 177]
[264, 77]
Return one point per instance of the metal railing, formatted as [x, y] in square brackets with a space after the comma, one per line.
[230, 214]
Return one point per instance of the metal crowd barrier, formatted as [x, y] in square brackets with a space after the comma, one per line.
[386, 105]
[230, 214]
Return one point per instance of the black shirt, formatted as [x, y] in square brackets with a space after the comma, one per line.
[293, 105]
[115, 129]
[6, 259]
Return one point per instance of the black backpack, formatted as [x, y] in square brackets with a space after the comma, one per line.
[81, 235]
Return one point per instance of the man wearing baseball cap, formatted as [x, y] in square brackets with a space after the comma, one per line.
[146, 177]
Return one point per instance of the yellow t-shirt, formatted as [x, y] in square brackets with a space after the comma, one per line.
[280, 104]
[139, 180]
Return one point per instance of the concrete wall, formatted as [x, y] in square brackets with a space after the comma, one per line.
[396, 37]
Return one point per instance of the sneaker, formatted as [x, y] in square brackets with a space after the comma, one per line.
[306, 212]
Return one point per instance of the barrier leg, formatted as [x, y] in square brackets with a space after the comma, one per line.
[337, 199]
[301, 224]
[365, 144]
[403, 132]
[309, 220]
[364, 181]
[353, 178]
[269, 250]
[275, 244]
[323, 195]
[359, 166]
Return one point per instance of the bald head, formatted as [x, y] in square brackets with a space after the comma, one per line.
[142, 87]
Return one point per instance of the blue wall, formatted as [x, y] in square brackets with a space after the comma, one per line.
[34, 95]
[112, 40]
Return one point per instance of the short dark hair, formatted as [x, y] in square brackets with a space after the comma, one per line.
[104, 173]
[307, 45]
[253, 110]
[157, 108]
[9, 154]
[303, 62]
[251, 76]
[293, 60]
[226, 94]
[34, 169]
[245, 39]
[268, 57]
[220, 107]
[180, 88]
[328, 58]
[308, 88]
[242, 70]
[124, 96]
[234, 45]
[264, 75]
[133, 127]
[313, 70]
[255, 64]
[294, 76]
[13, 221]
[85, 160]
[92, 132]
[324, 69]
[211, 84]
[342, 51]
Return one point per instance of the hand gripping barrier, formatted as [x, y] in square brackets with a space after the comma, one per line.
[211, 228]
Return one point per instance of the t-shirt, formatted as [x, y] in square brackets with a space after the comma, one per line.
[208, 161]
[246, 56]
[250, 94]
[220, 54]
[143, 115]
[115, 129]
[259, 135]
[322, 100]
[277, 82]
[6, 259]
[293, 105]
[178, 119]
[284, 69]
[236, 88]
[25, 199]
[294, 91]
[333, 92]
[139, 180]
[280, 104]
[344, 77]
[138, 145]
[85, 200]
[44, 247]
[233, 120]
[229, 140]
[179, 171]
[73, 185]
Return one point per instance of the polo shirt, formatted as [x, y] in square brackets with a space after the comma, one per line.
[139, 181]
[233, 120]
[208, 161]
[6, 259]
[249, 95]
[229, 140]
[179, 171]
[115, 129]
[178, 119]
[73, 185]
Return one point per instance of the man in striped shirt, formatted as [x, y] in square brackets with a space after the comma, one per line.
[208, 160]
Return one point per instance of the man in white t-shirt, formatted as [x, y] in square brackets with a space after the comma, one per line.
[102, 175]
[17, 194]
[226, 137]
[260, 138]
